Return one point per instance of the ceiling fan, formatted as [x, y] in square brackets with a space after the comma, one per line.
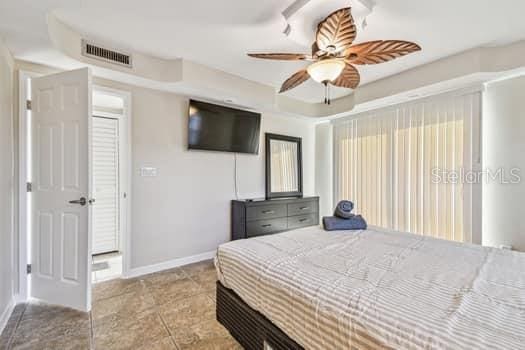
[334, 56]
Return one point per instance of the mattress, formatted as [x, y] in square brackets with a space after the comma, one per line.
[377, 289]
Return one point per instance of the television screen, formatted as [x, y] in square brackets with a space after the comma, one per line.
[218, 128]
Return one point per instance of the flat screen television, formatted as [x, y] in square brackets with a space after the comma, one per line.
[218, 128]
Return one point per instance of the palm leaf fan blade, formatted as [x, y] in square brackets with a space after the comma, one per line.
[295, 80]
[337, 32]
[380, 51]
[281, 56]
[349, 78]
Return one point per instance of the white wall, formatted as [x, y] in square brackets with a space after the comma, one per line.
[324, 167]
[185, 210]
[7, 190]
[504, 147]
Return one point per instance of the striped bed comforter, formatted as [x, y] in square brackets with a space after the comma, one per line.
[378, 289]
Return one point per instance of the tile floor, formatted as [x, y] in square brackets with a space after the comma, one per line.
[173, 309]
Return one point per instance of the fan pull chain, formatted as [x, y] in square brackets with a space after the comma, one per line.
[327, 98]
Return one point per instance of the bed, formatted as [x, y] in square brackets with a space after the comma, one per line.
[370, 289]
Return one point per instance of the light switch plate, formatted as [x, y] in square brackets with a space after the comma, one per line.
[148, 172]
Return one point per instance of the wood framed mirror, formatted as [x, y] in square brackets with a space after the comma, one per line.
[284, 168]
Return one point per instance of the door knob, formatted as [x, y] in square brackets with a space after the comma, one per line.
[82, 201]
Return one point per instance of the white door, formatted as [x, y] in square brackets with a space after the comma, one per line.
[61, 237]
[105, 185]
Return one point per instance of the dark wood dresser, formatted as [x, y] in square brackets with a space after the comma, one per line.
[265, 217]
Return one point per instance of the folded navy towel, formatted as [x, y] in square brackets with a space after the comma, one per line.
[344, 209]
[332, 223]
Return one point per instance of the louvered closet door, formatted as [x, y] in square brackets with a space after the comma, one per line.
[106, 185]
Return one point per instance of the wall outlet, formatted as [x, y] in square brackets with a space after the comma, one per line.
[148, 172]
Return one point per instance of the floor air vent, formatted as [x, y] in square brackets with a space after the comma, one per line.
[111, 56]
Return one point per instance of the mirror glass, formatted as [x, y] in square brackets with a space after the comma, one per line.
[284, 163]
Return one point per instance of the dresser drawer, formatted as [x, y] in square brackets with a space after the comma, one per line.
[302, 208]
[264, 227]
[261, 212]
[302, 221]
[251, 218]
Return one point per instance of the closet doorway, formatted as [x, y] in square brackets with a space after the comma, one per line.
[109, 128]
[106, 103]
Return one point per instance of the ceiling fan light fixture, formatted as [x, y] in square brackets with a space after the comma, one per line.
[326, 70]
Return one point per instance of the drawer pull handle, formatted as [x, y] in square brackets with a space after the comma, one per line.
[303, 220]
[303, 208]
[268, 212]
[267, 225]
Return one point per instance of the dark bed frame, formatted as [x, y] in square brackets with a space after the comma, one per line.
[250, 328]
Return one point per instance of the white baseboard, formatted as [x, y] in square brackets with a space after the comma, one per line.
[19, 299]
[166, 265]
[4, 317]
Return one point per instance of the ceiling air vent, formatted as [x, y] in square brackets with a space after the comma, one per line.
[111, 56]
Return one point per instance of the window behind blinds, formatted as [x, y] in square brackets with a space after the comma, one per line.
[387, 162]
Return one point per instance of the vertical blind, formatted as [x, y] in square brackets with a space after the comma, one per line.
[388, 161]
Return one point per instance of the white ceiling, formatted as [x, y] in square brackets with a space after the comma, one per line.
[220, 33]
